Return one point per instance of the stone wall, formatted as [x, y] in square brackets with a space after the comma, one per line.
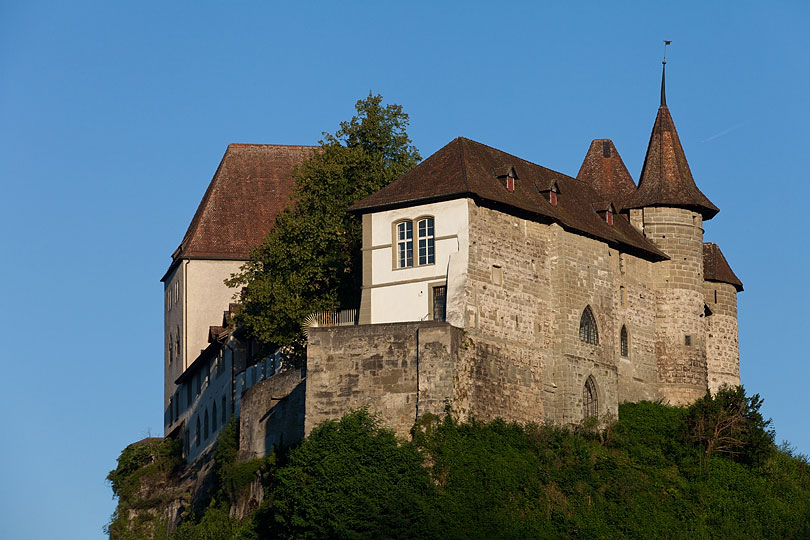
[272, 414]
[398, 370]
[722, 345]
[528, 285]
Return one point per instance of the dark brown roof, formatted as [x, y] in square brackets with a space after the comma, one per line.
[665, 178]
[604, 170]
[253, 183]
[465, 168]
[716, 267]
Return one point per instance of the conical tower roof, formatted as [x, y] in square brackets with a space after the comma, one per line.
[665, 178]
[604, 170]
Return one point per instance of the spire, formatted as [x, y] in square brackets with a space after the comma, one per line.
[664, 75]
[665, 177]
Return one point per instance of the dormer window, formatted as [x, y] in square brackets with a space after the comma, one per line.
[549, 191]
[606, 211]
[507, 176]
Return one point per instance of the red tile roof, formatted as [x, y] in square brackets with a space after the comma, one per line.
[665, 178]
[253, 183]
[465, 168]
[716, 267]
[604, 170]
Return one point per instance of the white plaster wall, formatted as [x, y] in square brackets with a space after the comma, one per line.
[402, 294]
[206, 298]
[194, 298]
[172, 325]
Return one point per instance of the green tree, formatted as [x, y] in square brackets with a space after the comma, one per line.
[352, 478]
[311, 260]
[730, 423]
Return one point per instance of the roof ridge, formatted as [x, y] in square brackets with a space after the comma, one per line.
[464, 164]
[253, 145]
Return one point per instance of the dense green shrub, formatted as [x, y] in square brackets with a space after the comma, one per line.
[646, 475]
[352, 479]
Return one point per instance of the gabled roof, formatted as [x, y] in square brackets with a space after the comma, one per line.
[665, 178]
[465, 168]
[604, 170]
[251, 186]
[716, 267]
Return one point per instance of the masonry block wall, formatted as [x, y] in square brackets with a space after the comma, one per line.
[722, 345]
[528, 285]
[680, 338]
[399, 370]
[272, 415]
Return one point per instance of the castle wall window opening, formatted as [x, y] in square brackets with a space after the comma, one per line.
[624, 342]
[590, 399]
[587, 327]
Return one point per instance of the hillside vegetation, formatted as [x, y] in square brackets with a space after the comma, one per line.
[707, 471]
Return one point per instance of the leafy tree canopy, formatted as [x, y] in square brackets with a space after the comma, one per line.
[311, 260]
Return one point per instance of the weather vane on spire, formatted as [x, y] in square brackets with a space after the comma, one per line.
[666, 42]
[664, 75]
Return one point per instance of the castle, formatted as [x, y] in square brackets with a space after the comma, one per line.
[492, 286]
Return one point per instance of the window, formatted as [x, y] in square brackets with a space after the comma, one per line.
[590, 401]
[177, 344]
[587, 327]
[224, 411]
[687, 340]
[205, 426]
[624, 342]
[425, 237]
[439, 297]
[405, 244]
[214, 417]
[621, 295]
[426, 241]
[197, 433]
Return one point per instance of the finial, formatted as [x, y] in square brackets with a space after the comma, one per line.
[664, 75]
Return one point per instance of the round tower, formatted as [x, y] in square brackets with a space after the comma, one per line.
[670, 210]
[720, 288]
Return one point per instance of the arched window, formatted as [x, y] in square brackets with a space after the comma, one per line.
[197, 433]
[214, 417]
[587, 327]
[205, 426]
[624, 344]
[590, 401]
[224, 411]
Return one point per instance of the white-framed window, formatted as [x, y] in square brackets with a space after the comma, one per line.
[425, 242]
[405, 244]
[427, 251]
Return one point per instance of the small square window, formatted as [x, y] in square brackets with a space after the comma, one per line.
[687, 340]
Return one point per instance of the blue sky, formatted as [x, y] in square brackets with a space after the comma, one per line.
[115, 116]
